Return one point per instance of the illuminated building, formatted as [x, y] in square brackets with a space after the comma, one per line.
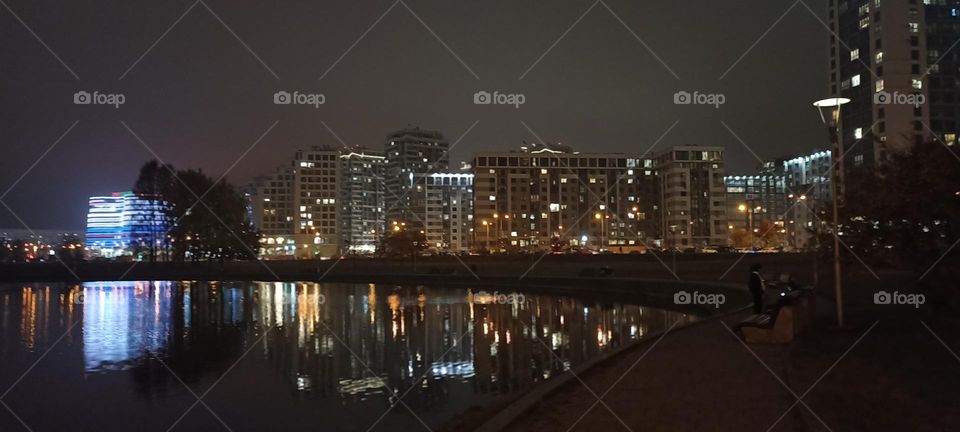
[296, 207]
[126, 224]
[446, 201]
[893, 60]
[410, 152]
[693, 196]
[809, 194]
[361, 201]
[755, 199]
[550, 197]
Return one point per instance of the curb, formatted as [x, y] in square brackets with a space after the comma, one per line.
[528, 401]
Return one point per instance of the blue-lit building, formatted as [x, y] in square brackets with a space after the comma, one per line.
[126, 224]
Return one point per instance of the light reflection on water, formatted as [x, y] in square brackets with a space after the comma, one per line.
[351, 347]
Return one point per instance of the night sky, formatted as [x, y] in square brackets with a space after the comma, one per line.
[199, 98]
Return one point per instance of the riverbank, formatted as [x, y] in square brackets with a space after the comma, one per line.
[891, 368]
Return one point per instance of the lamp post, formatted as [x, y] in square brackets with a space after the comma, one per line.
[603, 230]
[834, 122]
[487, 237]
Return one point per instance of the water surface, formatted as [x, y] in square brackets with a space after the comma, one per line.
[122, 356]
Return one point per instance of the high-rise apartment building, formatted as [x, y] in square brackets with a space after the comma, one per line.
[296, 207]
[361, 201]
[753, 200]
[894, 61]
[410, 152]
[550, 197]
[809, 193]
[447, 203]
[693, 196]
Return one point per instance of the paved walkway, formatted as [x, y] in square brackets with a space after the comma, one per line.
[897, 377]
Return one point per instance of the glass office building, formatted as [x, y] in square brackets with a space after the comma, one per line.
[126, 224]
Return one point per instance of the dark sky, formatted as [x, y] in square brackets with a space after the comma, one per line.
[200, 99]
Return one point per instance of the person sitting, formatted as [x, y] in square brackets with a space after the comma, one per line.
[757, 287]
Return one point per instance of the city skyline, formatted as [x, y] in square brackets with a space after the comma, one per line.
[595, 86]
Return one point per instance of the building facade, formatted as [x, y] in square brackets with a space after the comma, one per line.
[693, 199]
[361, 201]
[296, 208]
[550, 197]
[894, 61]
[124, 224]
[410, 152]
[809, 194]
[757, 205]
[447, 203]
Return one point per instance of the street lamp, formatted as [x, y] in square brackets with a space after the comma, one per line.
[487, 226]
[603, 229]
[829, 110]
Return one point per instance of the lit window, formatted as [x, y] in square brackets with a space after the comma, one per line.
[914, 27]
[878, 86]
[878, 58]
[855, 54]
[917, 83]
[855, 80]
[858, 133]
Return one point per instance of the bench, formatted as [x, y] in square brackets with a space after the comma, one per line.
[782, 323]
